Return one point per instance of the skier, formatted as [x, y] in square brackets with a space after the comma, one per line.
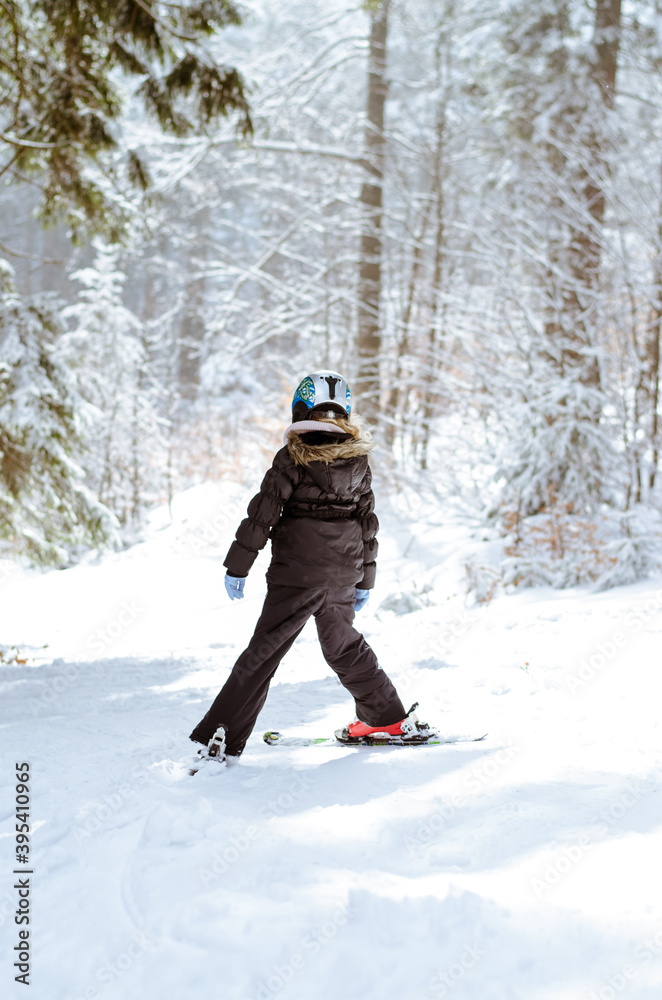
[317, 506]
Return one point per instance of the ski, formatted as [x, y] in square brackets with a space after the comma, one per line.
[435, 739]
[206, 763]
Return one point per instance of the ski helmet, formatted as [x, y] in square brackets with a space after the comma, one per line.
[322, 390]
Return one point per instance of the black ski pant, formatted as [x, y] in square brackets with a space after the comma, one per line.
[286, 610]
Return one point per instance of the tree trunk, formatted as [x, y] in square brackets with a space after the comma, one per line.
[192, 330]
[653, 361]
[584, 251]
[431, 362]
[370, 260]
[652, 354]
[136, 447]
[397, 392]
[606, 38]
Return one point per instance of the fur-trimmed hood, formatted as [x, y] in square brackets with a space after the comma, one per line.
[356, 440]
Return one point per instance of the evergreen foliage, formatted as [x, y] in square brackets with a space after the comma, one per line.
[64, 69]
[46, 510]
[107, 351]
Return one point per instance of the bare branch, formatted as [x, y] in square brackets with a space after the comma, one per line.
[162, 24]
[30, 256]
[29, 144]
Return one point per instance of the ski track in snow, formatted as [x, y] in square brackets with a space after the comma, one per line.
[525, 867]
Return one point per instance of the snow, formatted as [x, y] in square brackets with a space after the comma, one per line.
[525, 866]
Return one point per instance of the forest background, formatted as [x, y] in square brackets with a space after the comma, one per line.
[459, 206]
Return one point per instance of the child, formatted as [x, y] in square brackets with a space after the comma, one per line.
[316, 505]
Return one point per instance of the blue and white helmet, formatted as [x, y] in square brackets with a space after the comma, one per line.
[321, 391]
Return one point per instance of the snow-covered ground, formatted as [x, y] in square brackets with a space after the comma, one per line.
[524, 867]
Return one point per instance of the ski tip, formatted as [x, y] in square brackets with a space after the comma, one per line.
[271, 737]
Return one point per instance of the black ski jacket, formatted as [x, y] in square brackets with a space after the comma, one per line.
[317, 506]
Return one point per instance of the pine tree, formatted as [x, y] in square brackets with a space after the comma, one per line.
[46, 510]
[107, 350]
[65, 67]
